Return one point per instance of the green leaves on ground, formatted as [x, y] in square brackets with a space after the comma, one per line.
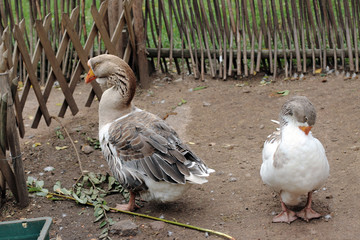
[93, 188]
[36, 186]
[284, 93]
[57, 188]
[89, 188]
[265, 81]
[58, 133]
[183, 101]
[199, 88]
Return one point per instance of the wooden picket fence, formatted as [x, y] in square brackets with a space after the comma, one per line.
[20, 56]
[51, 60]
[239, 38]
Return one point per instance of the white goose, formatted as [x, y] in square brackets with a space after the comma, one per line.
[143, 152]
[294, 162]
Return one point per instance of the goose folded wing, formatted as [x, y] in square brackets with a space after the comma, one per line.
[155, 153]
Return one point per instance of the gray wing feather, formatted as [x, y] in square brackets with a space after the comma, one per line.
[169, 169]
[147, 145]
[155, 171]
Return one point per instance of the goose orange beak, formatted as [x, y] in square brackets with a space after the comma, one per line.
[306, 130]
[90, 76]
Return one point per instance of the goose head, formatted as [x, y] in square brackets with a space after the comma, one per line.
[298, 111]
[120, 82]
[113, 72]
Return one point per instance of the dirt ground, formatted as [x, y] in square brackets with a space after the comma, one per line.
[226, 124]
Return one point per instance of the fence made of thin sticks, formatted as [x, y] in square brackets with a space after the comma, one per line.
[240, 38]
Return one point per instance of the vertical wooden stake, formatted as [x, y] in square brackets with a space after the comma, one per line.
[5, 169]
[2, 149]
[141, 44]
[14, 145]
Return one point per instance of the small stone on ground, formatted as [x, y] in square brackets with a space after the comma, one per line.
[124, 228]
[157, 226]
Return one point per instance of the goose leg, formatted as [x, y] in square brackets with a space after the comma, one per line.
[307, 213]
[286, 214]
[130, 206]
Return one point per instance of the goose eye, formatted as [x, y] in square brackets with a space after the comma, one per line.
[95, 64]
[305, 119]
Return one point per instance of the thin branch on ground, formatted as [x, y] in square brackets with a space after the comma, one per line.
[72, 142]
[50, 195]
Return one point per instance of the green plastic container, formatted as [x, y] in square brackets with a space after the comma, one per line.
[26, 229]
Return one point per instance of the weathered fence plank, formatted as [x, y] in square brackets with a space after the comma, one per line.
[55, 67]
[51, 76]
[141, 50]
[32, 76]
[96, 90]
[98, 19]
[10, 140]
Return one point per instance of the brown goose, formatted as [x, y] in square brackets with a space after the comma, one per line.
[143, 152]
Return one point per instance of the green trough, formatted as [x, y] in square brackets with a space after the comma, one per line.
[26, 229]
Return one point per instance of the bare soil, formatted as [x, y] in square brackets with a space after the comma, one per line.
[225, 124]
